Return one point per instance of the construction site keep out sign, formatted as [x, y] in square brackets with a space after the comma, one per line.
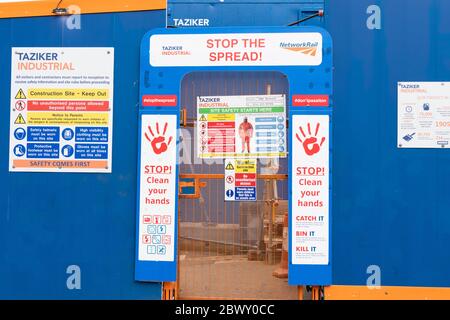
[61, 110]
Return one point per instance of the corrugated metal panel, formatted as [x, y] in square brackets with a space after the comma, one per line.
[390, 205]
[242, 13]
[50, 221]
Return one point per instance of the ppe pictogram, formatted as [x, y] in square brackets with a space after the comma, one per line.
[158, 141]
[311, 143]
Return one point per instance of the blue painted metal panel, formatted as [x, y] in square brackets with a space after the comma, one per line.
[390, 205]
[49, 221]
[242, 13]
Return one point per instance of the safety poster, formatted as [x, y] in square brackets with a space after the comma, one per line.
[61, 116]
[158, 194]
[241, 126]
[423, 114]
[310, 189]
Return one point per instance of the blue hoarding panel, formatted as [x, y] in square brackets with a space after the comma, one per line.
[51, 221]
[207, 13]
[390, 209]
[391, 203]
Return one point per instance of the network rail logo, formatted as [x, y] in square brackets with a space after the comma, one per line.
[307, 48]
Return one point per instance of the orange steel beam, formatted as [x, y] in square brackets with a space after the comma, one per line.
[219, 298]
[222, 176]
[170, 291]
[44, 7]
[300, 293]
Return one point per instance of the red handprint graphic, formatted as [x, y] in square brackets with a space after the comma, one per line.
[158, 142]
[311, 144]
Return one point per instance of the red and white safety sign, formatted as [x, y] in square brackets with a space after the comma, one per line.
[310, 189]
[157, 199]
[236, 49]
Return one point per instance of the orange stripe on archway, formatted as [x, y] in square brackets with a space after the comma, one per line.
[44, 7]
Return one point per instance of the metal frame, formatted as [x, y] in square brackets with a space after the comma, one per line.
[165, 81]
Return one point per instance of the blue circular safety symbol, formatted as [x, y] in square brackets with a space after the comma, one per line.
[280, 119]
[67, 134]
[19, 150]
[20, 133]
[67, 151]
[280, 126]
[230, 193]
[281, 134]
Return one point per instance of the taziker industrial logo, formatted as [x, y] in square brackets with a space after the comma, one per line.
[308, 48]
[176, 50]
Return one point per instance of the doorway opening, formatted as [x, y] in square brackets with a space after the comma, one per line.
[230, 250]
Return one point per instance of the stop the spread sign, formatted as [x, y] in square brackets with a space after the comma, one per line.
[310, 190]
[244, 49]
[157, 188]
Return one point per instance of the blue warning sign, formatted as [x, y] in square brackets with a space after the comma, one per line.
[67, 134]
[67, 151]
[94, 134]
[20, 133]
[43, 150]
[240, 179]
[91, 151]
[245, 194]
[19, 150]
[230, 193]
[43, 134]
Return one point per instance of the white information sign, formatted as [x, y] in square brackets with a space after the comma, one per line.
[241, 126]
[423, 114]
[310, 189]
[240, 179]
[236, 49]
[61, 116]
[157, 198]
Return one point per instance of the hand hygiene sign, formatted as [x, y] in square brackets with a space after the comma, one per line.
[310, 190]
[244, 49]
[158, 192]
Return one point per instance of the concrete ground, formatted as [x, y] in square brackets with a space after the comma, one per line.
[231, 277]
